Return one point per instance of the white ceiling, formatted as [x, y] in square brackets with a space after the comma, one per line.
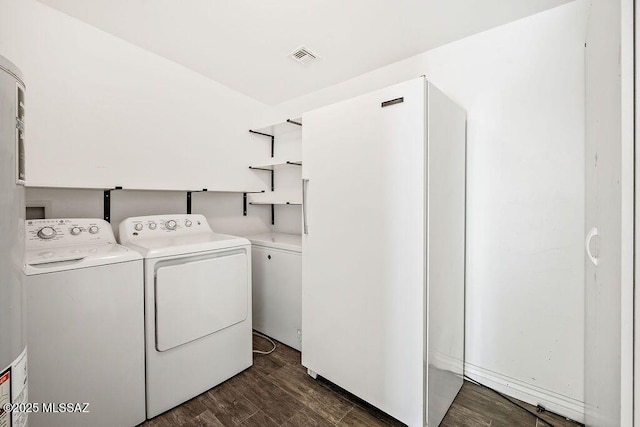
[244, 44]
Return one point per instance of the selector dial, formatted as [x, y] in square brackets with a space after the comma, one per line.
[47, 233]
[75, 231]
[138, 226]
[152, 225]
[171, 224]
[94, 229]
[187, 223]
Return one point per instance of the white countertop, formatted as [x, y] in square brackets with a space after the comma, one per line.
[290, 242]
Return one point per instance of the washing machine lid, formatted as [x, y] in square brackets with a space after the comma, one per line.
[41, 261]
[70, 243]
[287, 242]
[158, 236]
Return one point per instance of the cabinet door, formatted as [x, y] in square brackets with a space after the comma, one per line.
[277, 277]
[363, 269]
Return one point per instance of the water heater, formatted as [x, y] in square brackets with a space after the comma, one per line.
[13, 339]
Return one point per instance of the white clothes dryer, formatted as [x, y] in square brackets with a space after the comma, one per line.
[85, 325]
[197, 305]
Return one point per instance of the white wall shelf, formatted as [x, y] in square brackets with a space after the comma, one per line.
[272, 166]
[273, 204]
[276, 203]
[279, 129]
[107, 198]
[282, 131]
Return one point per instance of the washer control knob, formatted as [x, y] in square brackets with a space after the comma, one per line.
[46, 233]
[94, 229]
[152, 225]
[187, 223]
[75, 231]
[138, 226]
[171, 224]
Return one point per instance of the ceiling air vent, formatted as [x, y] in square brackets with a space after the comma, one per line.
[303, 55]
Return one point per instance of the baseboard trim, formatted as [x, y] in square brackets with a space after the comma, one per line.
[564, 405]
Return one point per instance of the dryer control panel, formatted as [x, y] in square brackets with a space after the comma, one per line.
[49, 233]
[146, 227]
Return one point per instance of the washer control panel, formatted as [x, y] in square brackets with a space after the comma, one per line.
[145, 227]
[66, 232]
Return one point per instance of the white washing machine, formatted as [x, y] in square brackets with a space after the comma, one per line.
[197, 304]
[85, 322]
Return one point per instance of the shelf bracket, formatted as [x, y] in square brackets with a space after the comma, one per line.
[107, 205]
[270, 136]
[268, 170]
[106, 200]
[272, 205]
[244, 200]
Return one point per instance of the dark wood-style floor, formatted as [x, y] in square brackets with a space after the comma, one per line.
[276, 391]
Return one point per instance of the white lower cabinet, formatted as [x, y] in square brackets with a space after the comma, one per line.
[277, 286]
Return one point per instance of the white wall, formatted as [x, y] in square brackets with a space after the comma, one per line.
[102, 112]
[522, 85]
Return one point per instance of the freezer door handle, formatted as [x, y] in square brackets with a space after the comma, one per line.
[587, 244]
[305, 226]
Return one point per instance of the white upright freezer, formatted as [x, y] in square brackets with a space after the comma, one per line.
[384, 248]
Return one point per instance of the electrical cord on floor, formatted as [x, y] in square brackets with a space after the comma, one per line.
[541, 409]
[471, 380]
[258, 334]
